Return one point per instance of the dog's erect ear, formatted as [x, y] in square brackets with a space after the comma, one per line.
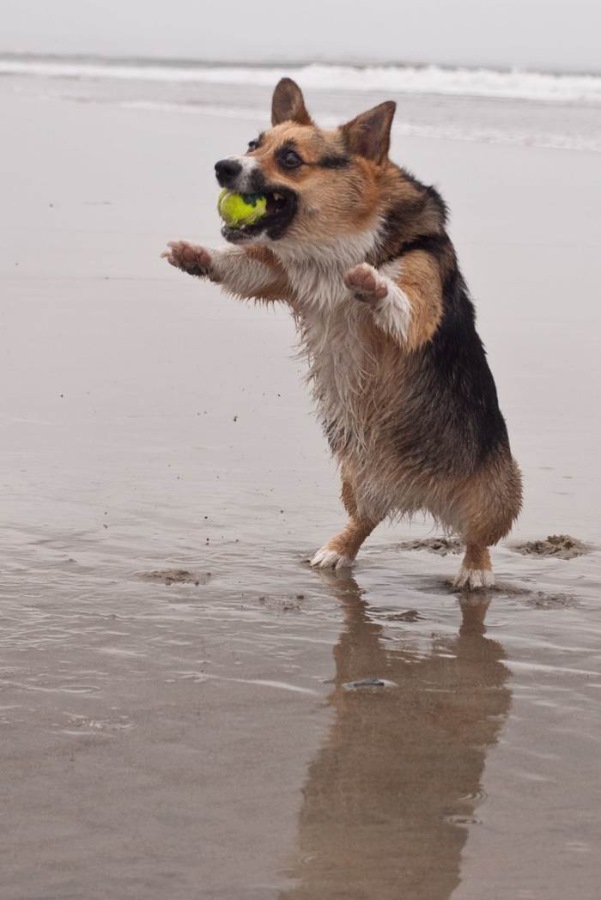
[288, 104]
[369, 134]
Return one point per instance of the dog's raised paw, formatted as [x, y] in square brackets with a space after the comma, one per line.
[366, 283]
[326, 558]
[188, 257]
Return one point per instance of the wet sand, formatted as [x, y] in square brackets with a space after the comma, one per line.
[255, 729]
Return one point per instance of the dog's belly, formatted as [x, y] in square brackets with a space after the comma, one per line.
[386, 485]
[358, 380]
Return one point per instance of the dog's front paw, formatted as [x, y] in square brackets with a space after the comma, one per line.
[189, 258]
[366, 284]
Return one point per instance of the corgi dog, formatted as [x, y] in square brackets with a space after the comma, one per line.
[358, 249]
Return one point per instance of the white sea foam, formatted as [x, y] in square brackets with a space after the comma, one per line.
[556, 140]
[515, 84]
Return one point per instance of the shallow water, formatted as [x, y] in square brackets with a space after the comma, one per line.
[211, 739]
[210, 736]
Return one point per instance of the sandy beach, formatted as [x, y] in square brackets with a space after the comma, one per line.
[184, 709]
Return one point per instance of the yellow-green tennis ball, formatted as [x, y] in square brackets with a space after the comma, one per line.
[239, 210]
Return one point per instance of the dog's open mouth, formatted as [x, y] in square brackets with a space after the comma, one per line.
[270, 212]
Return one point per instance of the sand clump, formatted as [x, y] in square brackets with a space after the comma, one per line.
[561, 546]
[439, 545]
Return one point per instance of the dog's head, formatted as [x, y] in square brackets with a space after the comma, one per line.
[320, 185]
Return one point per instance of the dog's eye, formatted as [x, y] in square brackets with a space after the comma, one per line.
[253, 145]
[289, 159]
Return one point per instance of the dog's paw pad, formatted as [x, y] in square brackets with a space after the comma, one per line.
[326, 558]
[474, 579]
[365, 283]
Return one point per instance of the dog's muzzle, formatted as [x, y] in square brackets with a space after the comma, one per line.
[244, 175]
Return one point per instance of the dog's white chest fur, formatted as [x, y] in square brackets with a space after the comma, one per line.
[330, 321]
[337, 363]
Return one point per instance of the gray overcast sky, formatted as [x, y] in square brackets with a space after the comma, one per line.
[547, 34]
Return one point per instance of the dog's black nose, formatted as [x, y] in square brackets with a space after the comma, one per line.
[227, 170]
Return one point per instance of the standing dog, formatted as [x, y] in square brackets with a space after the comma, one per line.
[358, 249]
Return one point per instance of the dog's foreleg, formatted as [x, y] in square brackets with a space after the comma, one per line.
[246, 272]
[405, 296]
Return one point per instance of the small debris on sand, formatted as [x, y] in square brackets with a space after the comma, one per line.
[561, 546]
[542, 600]
[441, 546]
[178, 576]
[281, 604]
[367, 683]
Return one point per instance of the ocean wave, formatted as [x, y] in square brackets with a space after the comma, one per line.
[515, 85]
[444, 131]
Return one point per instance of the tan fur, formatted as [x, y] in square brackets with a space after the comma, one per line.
[349, 541]
[332, 199]
[490, 501]
[477, 557]
[420, 281]
[393, 188]
[358, 528]
[278, 285]
[368, 134]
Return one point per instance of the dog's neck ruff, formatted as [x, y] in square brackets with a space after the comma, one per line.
[316, 271]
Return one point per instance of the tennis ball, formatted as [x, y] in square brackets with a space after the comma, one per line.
[239, 210]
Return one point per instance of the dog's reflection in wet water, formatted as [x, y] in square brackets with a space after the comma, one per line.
[390, 797]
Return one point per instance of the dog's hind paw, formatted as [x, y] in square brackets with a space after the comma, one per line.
[326, 558]
[474, 579]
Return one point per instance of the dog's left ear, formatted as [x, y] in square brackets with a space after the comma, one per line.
[288, 104]
[368, 135]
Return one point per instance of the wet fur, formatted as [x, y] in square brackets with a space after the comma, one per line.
[398, 371]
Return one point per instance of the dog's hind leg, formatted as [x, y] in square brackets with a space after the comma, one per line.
[488, 506]
[341, 550]
[476, 570]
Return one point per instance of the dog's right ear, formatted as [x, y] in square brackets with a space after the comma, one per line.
[288, 104]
